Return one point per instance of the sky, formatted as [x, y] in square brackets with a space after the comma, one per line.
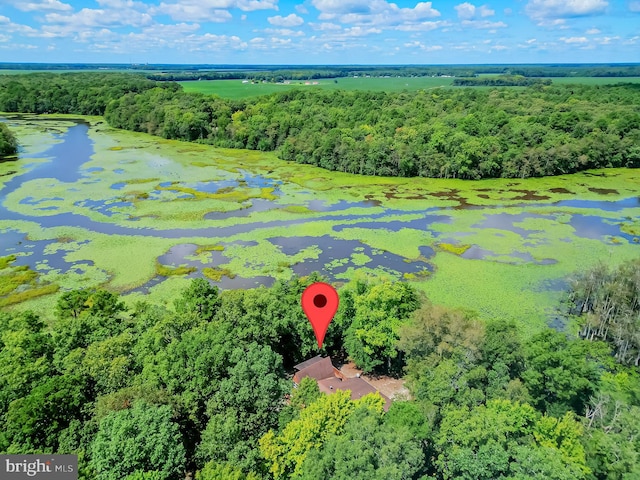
[325, 32]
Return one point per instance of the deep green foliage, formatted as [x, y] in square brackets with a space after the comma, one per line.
[379, 311]
[559, 374]
[8, 141]
[35, 422]
[499, 440]
[367, 449]
[200, 300]
[244, 407]
[79, 93]
[142, 438]
[152, 393]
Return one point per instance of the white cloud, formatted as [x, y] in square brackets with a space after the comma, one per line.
[325, 26]
[209, 10]
[18, 46]
[291, 20]
[423, 26]
[468, 11]
[301, 9]
[193, 12]
[121, 4]
[465, 10]
[592, 31]
[284, 32]
[372, 12]
[483, 24]
[546, 11]
[40, 5]
[422, 46]
[281, 42]
[574, 40]
[88, 17]
[607, 40]
[531, 40]
[360, 31]
[9, 27]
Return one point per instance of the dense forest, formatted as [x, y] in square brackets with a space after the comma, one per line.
[449, 132]
[151, 392]
[8, 141]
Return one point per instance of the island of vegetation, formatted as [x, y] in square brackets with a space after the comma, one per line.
[8, 141]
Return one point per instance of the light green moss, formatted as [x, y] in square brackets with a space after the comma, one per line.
[6, 261]
[167, 271]
[458, 249]
[216, 274]
[209, 248]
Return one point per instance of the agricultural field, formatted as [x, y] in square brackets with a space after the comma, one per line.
[237, 89]
[88, 205]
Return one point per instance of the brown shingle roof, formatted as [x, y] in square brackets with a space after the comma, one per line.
[321, 369]
[307, 363]
[358, 387]
[318, 370]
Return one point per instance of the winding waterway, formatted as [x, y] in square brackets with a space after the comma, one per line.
[290, 229]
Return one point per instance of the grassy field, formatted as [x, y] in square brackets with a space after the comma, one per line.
[236, 89]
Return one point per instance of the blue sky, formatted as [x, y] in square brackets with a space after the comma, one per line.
[319, 31]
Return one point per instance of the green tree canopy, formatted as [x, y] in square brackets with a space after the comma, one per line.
[142, 438]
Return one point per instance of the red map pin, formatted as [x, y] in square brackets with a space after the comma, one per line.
[320, 303]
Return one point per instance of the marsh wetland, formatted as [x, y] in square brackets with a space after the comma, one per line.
[85, 205]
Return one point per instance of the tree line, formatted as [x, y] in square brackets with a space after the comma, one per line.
[499, 81]
[201, 386]
[448, 133]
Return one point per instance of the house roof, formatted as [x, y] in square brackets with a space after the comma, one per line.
[308, 363]
[357, 386]
[319, 369]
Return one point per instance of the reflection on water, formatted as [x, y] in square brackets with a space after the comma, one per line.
[336, 254]
[35, 252]
[476, 253]
[608, 206]
[505, 221]
[185, 255]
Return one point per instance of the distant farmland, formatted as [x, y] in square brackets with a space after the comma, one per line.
[236, 89]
